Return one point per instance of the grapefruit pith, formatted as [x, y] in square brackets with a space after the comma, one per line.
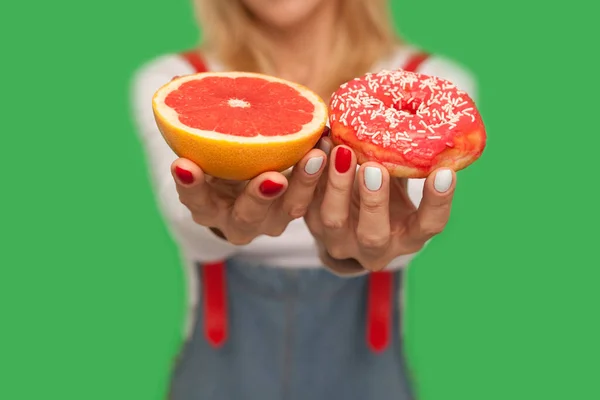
[237, 125]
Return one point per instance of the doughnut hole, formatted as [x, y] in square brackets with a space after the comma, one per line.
[409, 105]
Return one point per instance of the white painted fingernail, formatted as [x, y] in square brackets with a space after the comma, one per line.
[373, 178]
[313, 165]
[325, 146]
[443, 180]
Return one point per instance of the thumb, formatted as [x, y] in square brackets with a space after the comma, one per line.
[434, 211]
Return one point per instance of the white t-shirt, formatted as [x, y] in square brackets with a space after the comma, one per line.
[295, 248]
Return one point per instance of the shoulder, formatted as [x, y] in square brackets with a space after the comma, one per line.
[452, 71]
[436, 65]
[147, 79]
[156, 72]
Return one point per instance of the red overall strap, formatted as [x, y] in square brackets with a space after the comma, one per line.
[213, 280]
[195, 60]
[214, 296]
[379, 310]
[380, 295]
[415, 61]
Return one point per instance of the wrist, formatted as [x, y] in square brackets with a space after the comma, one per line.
[233, 239]
[217, 232]
[342, 267]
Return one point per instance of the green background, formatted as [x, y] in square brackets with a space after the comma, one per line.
[503, 305]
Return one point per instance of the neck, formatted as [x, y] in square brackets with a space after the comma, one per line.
[299, 53]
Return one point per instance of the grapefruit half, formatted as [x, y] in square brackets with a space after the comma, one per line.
[237, 125]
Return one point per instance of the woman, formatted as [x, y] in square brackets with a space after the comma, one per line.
[295, 314]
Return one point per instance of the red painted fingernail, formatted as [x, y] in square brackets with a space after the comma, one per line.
[325, 132]
[270, 188]
[343, 159]
[184, 175]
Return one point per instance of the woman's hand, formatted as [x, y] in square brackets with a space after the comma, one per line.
[241, 211]
[362, 221]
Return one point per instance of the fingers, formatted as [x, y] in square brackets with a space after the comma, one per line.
[373, 230]
[252, 206]
[193, 191]
[337, 197]
[302, 184]
[325, 145]
[434, 211]
[324, 134]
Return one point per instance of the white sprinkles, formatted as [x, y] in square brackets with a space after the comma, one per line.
[402, 109]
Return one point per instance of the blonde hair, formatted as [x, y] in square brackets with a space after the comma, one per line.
[364, 35]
